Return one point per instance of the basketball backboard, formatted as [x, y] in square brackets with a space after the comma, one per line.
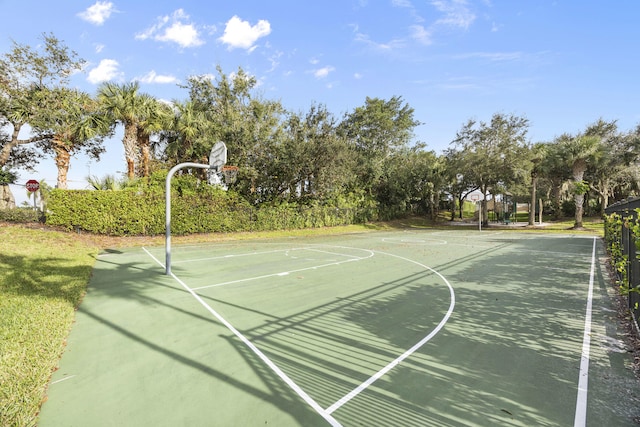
[218, 156]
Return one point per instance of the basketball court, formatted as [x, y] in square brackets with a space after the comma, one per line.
[407, 328]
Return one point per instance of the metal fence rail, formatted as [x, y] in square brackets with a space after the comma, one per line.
[622, 242]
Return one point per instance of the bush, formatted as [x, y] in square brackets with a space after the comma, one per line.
[21, 215]
[203, 209]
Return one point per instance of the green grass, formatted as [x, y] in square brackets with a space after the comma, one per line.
[43, 276]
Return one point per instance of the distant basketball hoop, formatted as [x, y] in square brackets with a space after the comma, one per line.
[475, 197]
[230, 174]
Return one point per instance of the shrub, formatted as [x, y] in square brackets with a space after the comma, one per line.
[21, 215]
[196, 207]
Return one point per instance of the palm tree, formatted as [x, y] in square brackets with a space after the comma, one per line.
[578, 152]
[155, 117]
[183, 141]
[127, 106]
[75, 123]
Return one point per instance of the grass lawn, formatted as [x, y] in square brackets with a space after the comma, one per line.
[43, 277]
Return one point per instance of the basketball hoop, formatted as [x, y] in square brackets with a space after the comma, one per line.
[230, 174]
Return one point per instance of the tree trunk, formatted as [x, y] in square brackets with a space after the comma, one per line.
[453, 207]
[145, 152]
[7, 200]
[579, 168]
[485, 212]
[63, 160]
[579, 200]
[540, 205]
[532, 210]
[604, 198]
[130, 142]
[6, 149]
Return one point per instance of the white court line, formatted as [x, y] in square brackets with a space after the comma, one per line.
[407, 353]
[580, 419]
[341, 254]
[234, 255]
[327, 416]
[62, 379]
[284, 273]
[414, 240]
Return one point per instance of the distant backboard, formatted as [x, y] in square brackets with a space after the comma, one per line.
[218, 156]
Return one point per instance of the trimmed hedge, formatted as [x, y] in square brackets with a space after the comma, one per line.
[21, 215]
[203, 210]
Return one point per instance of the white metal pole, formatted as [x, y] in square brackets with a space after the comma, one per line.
[167, 240]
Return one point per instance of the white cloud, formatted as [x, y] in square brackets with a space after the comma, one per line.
[98, 13]
[323, 72]
[153, 77]
[240, 34]
[274, 60]
[456, 13]
[420, 34]
[185, 35]
[175, 28]
[105, 71]
[99, 48]
[357, 76]
[389, 46]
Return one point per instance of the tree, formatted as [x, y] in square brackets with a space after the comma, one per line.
[495, 153]
[126, 105]
[374, 131]
[182, 138]
[578, 151]
[248, 125]
[7, 201]
[24, 73]
[75, 123]
[614, 161]
[312, 157]
[460, 181]
[155, 117]
[538, 154]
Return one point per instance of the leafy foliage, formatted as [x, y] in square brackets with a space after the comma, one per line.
[196, 208]
[7, 176]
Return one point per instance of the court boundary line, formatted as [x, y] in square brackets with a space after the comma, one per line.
[284, 377]
[580, 419]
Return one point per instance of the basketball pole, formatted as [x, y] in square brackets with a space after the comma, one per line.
[167, 240]
[217, 159]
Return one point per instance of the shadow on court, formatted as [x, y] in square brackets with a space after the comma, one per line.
[144, 352]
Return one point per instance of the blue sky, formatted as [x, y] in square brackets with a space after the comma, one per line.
[561, 63]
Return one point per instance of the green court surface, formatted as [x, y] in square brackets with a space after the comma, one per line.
[404, 328]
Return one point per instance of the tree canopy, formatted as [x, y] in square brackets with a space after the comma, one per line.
[368, 156]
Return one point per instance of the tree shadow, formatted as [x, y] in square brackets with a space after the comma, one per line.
[509, 355]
